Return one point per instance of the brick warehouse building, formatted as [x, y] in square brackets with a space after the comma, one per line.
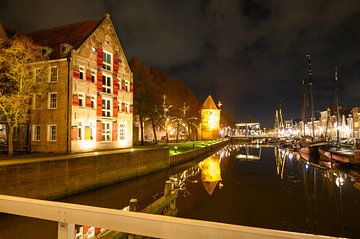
[84, 100]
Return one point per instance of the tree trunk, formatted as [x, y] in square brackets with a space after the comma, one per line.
[167, 136]
[154, 129]
[141, 124]
[11, 139]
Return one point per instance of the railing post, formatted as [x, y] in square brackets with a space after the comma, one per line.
[66, 230]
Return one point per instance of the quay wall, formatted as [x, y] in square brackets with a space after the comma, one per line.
[61, 176]
[58, 176]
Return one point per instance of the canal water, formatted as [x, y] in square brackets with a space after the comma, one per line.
[244, 185]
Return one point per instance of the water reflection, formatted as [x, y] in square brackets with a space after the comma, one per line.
[210, 173]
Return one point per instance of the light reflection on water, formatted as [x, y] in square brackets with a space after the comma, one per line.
[273, 188]
[241, 184]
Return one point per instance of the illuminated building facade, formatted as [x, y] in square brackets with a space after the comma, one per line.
[210, 120]
[87, 101]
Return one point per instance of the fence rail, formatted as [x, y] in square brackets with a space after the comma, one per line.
[157, 226]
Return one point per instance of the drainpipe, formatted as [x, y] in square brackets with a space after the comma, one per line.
[68, 116]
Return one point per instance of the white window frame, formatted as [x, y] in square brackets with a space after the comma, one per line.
[93, 101]
[107, 89]
[35, 106]
[35, 136]
[106, 135]
[83, 71]
[122, 131]
[107, 107]
[50, 136]
[105, 64]
[127, 85]
[93, 76]
[51, 80]
[49, 100]
[127, 107]
[81, 96]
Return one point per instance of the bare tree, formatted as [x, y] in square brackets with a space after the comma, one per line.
[16, 81]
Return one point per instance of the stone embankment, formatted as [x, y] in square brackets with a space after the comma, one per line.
[58, 176]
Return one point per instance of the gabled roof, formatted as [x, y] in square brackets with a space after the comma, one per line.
[209, 103]
[73, 34]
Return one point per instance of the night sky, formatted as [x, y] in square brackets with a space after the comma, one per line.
[250, 54]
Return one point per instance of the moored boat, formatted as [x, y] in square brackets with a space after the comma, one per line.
[340, 155]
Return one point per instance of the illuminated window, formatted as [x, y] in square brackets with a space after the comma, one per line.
[53, 74]
[36, 133]
[107, 60]
[51, 132]
[52, 100]
[106, 131]
[106, 108]
[106, 84]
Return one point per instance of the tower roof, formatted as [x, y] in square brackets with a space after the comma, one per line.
[209, 104]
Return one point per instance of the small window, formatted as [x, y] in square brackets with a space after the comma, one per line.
[79, 133]
[106, 108]
[51, 132]
[107, 61]
[37, 101]
[106, 84]
[106, 131]
[81, 99]
[38, 75]
[82, 72]
[127, 107]
[53, 74]
[122, 131]
[36, 133]
[52, 100]
[93, 76]
[127, 85]
[93, 102]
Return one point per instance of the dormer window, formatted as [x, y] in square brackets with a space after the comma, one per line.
[46, 51]
[65, 49]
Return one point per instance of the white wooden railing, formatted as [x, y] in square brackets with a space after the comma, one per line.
[157, 226]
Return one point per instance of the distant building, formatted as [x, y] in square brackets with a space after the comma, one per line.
[210, 120]
[85, 96]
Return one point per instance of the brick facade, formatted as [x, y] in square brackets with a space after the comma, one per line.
[89, 113]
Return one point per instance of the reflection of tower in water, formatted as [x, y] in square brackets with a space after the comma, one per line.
[210, 173]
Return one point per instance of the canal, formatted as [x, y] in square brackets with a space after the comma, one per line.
[244, 185]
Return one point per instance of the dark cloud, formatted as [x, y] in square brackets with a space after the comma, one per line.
[248, 53]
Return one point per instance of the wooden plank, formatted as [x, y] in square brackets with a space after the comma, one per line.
[136, 223]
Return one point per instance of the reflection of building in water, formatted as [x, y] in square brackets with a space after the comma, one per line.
[249, 152]
[210, 173]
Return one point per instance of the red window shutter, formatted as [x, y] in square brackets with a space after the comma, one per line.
[74, 133]
[123, 107]
[131, 108]
[76, 100]
[131, 87]
[98, 131]
[123, 86]
[99, 60]
[116, 86]
[99, 106]
[116, 64]
[114, 131]
[88, 76]
[99, 82]
[88, 102]
[76, 74]
[115, 108]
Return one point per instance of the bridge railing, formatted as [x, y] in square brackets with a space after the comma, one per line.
[67, 215]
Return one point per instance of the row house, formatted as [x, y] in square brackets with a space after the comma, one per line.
[84, 97]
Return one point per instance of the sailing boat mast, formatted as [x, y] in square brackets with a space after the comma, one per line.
[303, 112]
[311, 98]
[337, 107]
